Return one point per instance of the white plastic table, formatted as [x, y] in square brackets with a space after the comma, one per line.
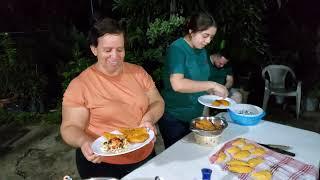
[185, 159]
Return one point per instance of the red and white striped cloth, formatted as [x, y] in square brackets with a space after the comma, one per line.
[281, 166]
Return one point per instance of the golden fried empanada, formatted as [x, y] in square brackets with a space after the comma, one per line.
[220, 102]
[204, 125]
[240, 169]
[233, 162]
[215, 103]
[258, 151]
[241, 154]
[255, 161]
[221, 157]
[135, 135]
[239, 142]
[233, 150]
[262, 175]
[111, 135]
[248, 147]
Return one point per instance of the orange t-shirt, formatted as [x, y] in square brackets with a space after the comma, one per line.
[113, 102]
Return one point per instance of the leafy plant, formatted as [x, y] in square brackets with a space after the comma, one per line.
[165, 31]
[8, 67]
[24, 118]
[160, 34]
[242, 25]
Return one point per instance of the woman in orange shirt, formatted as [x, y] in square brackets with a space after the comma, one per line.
[106, 96]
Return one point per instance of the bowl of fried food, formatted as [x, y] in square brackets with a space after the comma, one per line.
[207, 130]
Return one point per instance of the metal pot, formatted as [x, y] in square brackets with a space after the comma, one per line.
[213, 120]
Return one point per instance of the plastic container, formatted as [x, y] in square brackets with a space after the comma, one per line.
[246, 114]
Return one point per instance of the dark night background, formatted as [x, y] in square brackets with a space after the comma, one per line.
[295, 29]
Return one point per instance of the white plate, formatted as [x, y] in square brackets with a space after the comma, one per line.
[96, 145]
[208, 99]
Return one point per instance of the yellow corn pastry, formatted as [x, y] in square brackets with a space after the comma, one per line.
[262, 175]
[233, 150]
[239, 142]
[221, 157]
[248, 147]
[241, 154]
[240, 169]
[233, 162]
[258, 151]
[255, 161]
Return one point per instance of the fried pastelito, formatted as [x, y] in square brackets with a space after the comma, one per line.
[135, 135]
[220, 102]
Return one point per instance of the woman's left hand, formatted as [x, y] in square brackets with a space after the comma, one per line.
[150, 125]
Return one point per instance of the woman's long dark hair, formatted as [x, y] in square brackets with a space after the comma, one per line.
[200, 21]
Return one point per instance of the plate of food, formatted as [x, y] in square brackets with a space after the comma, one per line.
[217, 102]
[122, 141]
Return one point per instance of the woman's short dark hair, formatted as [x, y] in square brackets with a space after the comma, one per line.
[102, 27]
[200, 21]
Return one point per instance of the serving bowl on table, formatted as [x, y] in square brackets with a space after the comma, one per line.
[205, 136]
[246, 114]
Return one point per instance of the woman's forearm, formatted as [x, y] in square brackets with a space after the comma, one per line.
[74, 136]
[190, 86]
[74, 121]
[154, 112]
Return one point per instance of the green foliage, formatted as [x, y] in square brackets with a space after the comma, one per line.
[25, 118]
[163, 31]
[9, 70]
[160, 34]
[242, 24]
[51, 117]
[18, 73]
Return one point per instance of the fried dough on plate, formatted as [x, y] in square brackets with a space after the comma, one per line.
[135, 135]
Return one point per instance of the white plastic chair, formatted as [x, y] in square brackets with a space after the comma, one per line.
[275, 85]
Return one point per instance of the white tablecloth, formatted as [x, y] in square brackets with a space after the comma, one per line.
[185, 159]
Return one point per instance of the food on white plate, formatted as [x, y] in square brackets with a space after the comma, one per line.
[135, 135]
[115, 142]
[220, 102]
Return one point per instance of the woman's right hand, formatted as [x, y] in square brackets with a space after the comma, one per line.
[88, 153]
[219, 90]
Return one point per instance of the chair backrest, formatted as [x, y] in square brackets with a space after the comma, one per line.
[277, 75]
